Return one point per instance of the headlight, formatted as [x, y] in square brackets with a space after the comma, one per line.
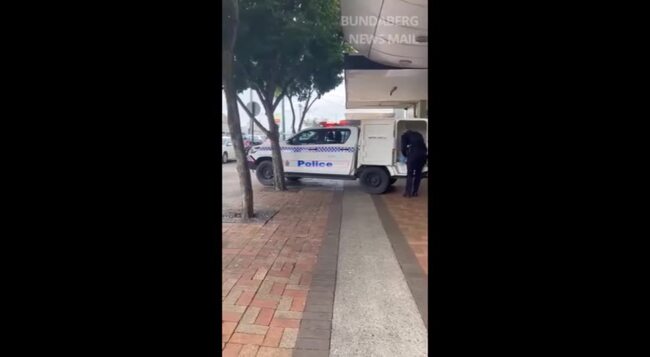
[253, 150]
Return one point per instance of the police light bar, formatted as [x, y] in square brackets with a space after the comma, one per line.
[343, 122]
[347, 122]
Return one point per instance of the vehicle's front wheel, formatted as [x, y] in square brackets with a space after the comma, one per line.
[264, 173]
[374, 180]
[392, 181]
[224, 157]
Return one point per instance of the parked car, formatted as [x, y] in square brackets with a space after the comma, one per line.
[227, 149]
[254, 139]
[251, 140]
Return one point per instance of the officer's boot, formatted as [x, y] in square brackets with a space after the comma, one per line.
[416, 183]
[408, 191]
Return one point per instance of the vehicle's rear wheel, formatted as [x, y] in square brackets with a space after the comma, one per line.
[374, 180]
[224, 157]
[264, 173]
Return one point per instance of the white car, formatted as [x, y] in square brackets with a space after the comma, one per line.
[227, 149]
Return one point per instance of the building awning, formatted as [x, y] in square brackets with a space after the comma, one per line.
[389, 69]
[385, 88]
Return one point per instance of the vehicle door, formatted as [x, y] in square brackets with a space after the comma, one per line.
[301, 150]
[377, 144]
[337, 150]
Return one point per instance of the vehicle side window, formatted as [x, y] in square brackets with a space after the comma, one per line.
[307, 137]
[335, 136]
[345, 135]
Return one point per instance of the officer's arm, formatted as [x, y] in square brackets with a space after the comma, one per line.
[405, 143]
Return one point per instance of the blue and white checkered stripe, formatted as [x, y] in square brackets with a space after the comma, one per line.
[311, 149]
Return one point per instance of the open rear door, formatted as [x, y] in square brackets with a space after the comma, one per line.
[415, 124]
[376, 144]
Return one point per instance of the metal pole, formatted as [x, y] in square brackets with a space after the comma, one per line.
[250, 91]
[283, 125]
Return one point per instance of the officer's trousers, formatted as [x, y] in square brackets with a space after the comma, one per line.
[414, 165]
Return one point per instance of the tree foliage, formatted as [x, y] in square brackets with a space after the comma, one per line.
[292, 47]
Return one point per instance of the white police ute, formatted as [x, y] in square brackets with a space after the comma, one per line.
[368, 150]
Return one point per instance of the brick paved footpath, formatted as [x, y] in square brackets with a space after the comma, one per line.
[411, 217]
[267, 272]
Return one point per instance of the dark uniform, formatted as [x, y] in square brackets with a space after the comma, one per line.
[415, 150]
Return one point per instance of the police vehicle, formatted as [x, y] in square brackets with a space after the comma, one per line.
[368, 150]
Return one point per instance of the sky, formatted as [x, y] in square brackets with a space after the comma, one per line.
[330, 106]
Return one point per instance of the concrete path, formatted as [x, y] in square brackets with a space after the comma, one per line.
[374, 311]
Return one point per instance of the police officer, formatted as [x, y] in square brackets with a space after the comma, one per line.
[415, 150]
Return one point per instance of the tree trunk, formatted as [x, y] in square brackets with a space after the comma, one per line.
[302, 119]
[293, 116]
[252, 117]
[307, 107]
[274, 136]
[276, 154]
[234, 125]
[304, 112]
